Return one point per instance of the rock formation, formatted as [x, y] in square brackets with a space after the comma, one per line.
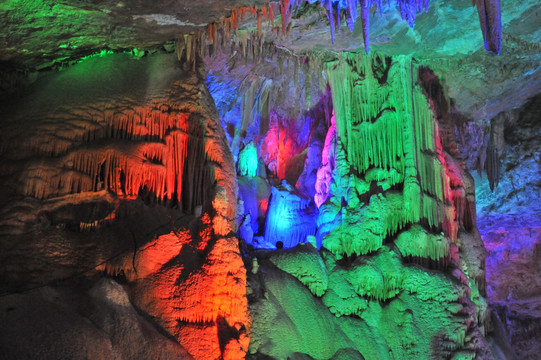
[269, 179]
[135, 182]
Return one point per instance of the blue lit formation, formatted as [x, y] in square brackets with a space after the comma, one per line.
[290, 218]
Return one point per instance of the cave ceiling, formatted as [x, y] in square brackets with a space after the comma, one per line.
[39, 35]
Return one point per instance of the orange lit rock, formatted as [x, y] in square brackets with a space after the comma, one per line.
[139, 186]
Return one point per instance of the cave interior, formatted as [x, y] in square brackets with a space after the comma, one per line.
[283, 179]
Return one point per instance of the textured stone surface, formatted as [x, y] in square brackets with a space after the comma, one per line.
[78, 323]
[380, 299]
[509, 221]
[85, 194]
[36, 32]
[447, 38]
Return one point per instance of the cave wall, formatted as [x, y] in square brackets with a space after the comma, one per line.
[120, 192]
[509, 218]
[118, 167]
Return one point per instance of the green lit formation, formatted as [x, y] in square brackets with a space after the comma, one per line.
[247, 164]
[379, 278]
[61, 33]
[387, 133]
[389, 208]
[377, 308]
[306, 265]
[419, 242]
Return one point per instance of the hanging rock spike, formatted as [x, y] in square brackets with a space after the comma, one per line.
[489, 17]
[259, 24]
[365, 19]
[491, 24]
[337, 16]
[285, 12]
[352, 12]
[331, 18]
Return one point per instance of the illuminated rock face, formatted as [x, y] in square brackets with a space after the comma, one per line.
[290, 218]
[119, 167]
[509, 220]
[400, 273]
[128, 174]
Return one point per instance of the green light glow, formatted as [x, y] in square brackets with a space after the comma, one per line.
[387, 132]
[379, 278]
[305, 263]
[419, 242]
[247, 164]
[388, 203]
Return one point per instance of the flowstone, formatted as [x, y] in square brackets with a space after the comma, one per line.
[393, 285]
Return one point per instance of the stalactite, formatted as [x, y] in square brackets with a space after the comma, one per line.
[329, 6]
[337, 16]
[248, 161]
[491, 24]
[365, 19]
[230, 24]
[256, 104]
[390, 135]
[259, 24]
[492, 166]
[188, 47]
[351, 14]
[165, 158]
[285, 12]
[489, 17]
[379, 130]
[408, 11]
